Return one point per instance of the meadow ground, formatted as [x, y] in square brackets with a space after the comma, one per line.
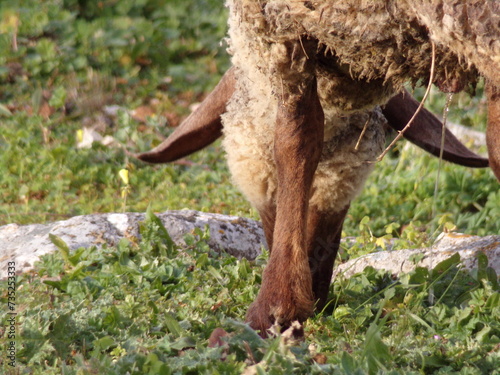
[128, 68]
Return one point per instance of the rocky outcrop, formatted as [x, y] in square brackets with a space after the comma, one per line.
[24, 244]
[447, 244]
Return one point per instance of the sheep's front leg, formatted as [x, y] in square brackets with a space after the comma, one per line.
[286, 291]
[493, 131]
[324, 230]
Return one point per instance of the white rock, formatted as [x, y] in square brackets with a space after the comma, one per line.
[400, 261]
[467, 135]
[24, 244]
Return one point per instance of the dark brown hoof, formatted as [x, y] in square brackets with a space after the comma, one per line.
[259, 318]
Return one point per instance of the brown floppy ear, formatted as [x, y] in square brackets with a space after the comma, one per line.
[426, 129]
[199, 130]
[493, 131]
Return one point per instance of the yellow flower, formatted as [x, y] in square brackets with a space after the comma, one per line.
[79, 135]
[124, 175]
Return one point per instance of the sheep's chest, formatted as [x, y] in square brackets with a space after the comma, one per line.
[251, 113]
[347, 158]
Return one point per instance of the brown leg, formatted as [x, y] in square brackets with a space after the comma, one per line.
[324, 232]
[268, 218]
[286, 292]
[493, 132]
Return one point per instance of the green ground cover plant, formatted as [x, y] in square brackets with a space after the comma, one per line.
[149, 308]
[127, 68]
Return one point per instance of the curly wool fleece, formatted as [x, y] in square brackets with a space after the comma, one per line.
[365, 51]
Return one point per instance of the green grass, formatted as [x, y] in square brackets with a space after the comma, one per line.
[149, 308]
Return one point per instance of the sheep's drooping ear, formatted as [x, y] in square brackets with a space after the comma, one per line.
[199, 130]
[426, 129]
[493, 131]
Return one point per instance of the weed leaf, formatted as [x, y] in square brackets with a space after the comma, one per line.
[4, 111]
[63, 248]
[173, 325]
[160, 228]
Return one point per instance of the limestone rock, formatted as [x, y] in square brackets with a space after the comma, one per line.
[240, 237]
[400, 261]
[25, 244]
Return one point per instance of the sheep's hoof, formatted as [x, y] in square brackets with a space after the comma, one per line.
[261, 318]
[294, 334]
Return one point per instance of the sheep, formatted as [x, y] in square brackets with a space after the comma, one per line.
[302, 116]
